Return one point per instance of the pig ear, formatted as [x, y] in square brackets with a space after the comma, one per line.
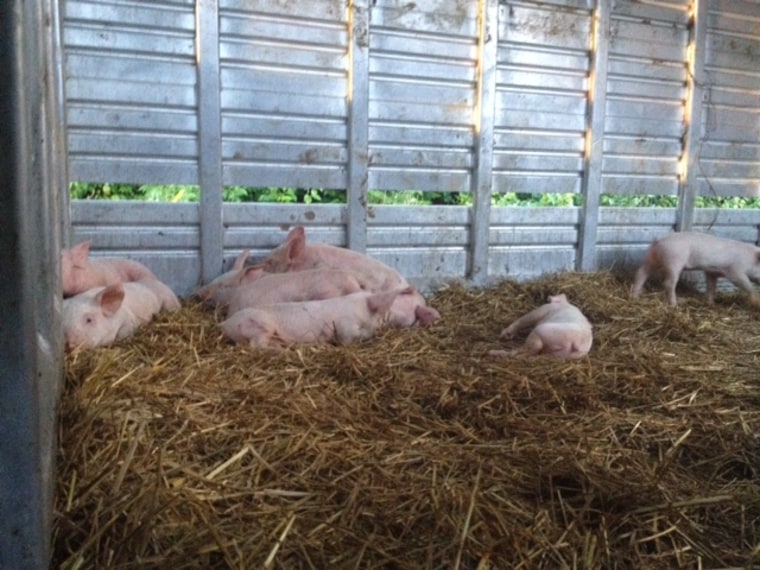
[80, 252]
[110, 299]
[296, 243]
[381, 302]
[240, 259]
[250, 274]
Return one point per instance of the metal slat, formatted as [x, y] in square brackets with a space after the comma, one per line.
[358, 127]
[210, 140]
[482, 178]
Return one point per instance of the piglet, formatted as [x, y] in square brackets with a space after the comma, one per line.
[218, 292]
[560, 329]
[103, 315]
[737, 261]
[294, 254]
[80, 273]
[342, 319]
[409, 309]
[258, 288]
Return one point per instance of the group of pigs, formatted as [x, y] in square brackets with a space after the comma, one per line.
[306, 292]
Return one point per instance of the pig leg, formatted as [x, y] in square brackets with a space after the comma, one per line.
[554, 340]
[526, 321]
[641, 278]
[534, 344]
[741, 280]
[670, 282]
[711, 285]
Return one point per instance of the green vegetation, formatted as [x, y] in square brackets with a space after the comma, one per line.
[189, 193]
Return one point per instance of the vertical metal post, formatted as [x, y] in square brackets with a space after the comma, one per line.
[31, 359]
[482, 175]
[209, 138]
[687, 184]
[358, 124]
[591, 184]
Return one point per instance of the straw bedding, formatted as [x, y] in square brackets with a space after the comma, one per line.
[179, 449]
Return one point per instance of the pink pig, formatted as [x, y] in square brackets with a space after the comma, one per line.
[80, 273]
[560, 330]
[409, 308]
[103, 315]
[342, 319]
[737, 261]
[296, 255]
[259, 288]
[220, 289]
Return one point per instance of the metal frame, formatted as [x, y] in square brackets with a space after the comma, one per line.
[687, 191]
[32, 169]
[591, 183]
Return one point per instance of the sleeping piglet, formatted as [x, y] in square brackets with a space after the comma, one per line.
[342, 319]
[80, 273]
[259, 288]
[560, 329]
[296, 254]
[103, 315]
[219, 291]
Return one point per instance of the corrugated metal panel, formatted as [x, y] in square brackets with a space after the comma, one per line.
[131, 91]
[421, 94]
[646, 94]
[284, 86]
[730, 151]
[388, 94]
[165, 237]
[529, 242]
[541, 86]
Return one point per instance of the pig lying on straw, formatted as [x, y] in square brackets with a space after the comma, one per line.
[80, 273]
[103, 315]
[559, 329]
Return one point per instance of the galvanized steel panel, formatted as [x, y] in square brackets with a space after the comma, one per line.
[422, 74]
[646, 92]
[730, 143]
[131, 91]
[541, 85]
[283, 93]
[286, 119]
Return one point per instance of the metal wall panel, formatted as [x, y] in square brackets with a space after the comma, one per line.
[131, 91]
[165, 237]
[422, 92]
[646, 94]
[33, 180]
[541, 96]
[730, 148]
[284, 82]
[527, 96]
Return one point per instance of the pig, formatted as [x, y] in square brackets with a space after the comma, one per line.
[560, 329]
[103, 315]
[294, 254]
[357, 316]
[409, 309]
[258, 288]
[737, 261]
[218, 292]
[80, 273]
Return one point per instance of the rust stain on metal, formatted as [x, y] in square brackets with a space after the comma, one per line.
[310, 215]
[309, 156]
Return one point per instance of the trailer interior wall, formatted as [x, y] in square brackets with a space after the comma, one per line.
[32, 181]
[481, 97]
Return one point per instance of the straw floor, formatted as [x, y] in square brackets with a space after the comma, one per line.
[179, 449]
